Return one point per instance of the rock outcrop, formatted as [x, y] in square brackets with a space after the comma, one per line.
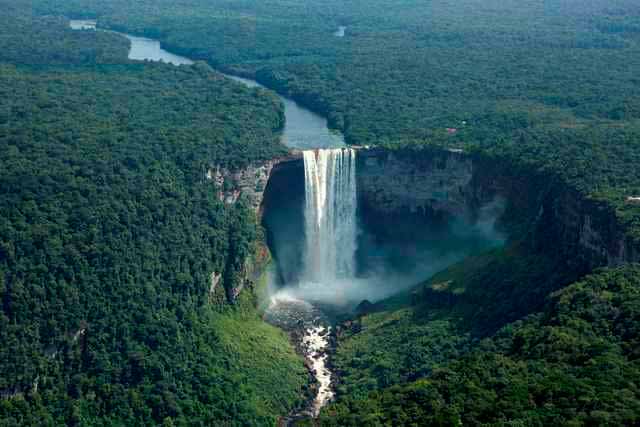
[390, 182]
[249, 182]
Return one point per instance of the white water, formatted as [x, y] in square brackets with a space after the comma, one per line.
[331, 221]
[315, 343]
[330, 215]
[330, 244]
[289, 313]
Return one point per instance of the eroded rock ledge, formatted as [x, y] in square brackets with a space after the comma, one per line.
[249, 182]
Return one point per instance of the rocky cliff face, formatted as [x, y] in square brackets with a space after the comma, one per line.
[586, 231]
[453, 183]
[391, 182]
[249, 183]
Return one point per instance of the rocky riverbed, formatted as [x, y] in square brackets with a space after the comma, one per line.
[310, 330]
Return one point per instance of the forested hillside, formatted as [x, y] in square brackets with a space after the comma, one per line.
[109, 234]
[573, 363]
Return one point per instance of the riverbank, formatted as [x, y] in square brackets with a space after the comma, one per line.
[310, 332]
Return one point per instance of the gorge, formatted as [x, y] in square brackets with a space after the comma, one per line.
[348, 225]
[330, 215]
[319, 213]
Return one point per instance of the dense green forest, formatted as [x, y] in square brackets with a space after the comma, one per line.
[551, 83]
[109, 230]
[573, 363]
[109, 234]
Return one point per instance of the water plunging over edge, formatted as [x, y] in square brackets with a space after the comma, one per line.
[330, 214]
[331, 186]
[329, 256]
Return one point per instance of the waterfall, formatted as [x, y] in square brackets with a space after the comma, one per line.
[330, 214]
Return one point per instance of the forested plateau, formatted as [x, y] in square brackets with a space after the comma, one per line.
[551, 84]
[109, 231]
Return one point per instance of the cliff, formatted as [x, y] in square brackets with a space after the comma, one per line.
[539, 208]
[437, 184]
[249, 182]
[389, 182]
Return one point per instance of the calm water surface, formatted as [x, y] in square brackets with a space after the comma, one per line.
[303, 129]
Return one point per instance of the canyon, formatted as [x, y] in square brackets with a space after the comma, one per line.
[445, 183]
[405, 199]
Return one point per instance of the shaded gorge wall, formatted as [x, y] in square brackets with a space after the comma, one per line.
[418, 213]
[282, 215]
[411, 222]
[537, 208]
[428, 208]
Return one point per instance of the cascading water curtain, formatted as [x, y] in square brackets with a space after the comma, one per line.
[330, 214]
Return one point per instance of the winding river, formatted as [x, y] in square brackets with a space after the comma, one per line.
[303, 130]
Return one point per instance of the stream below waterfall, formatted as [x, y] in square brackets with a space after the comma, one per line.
[304, 130]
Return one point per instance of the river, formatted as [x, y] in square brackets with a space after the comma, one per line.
[303, 130]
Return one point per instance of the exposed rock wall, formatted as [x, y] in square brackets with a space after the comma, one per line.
[584, 230]
[451, 182]
[391, 182]
[249, 182]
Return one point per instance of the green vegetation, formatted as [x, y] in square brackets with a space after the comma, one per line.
[109, 230]
[109, 234]
[47, 40]
[407, 336]
[572, 362]
[391, 347]
[549, 84]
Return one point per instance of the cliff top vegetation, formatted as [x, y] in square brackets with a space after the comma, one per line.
[550, 84]
[109, 234]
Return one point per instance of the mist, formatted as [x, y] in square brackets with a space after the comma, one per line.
[392, 255]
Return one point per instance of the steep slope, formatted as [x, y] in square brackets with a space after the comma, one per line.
[573, 363]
